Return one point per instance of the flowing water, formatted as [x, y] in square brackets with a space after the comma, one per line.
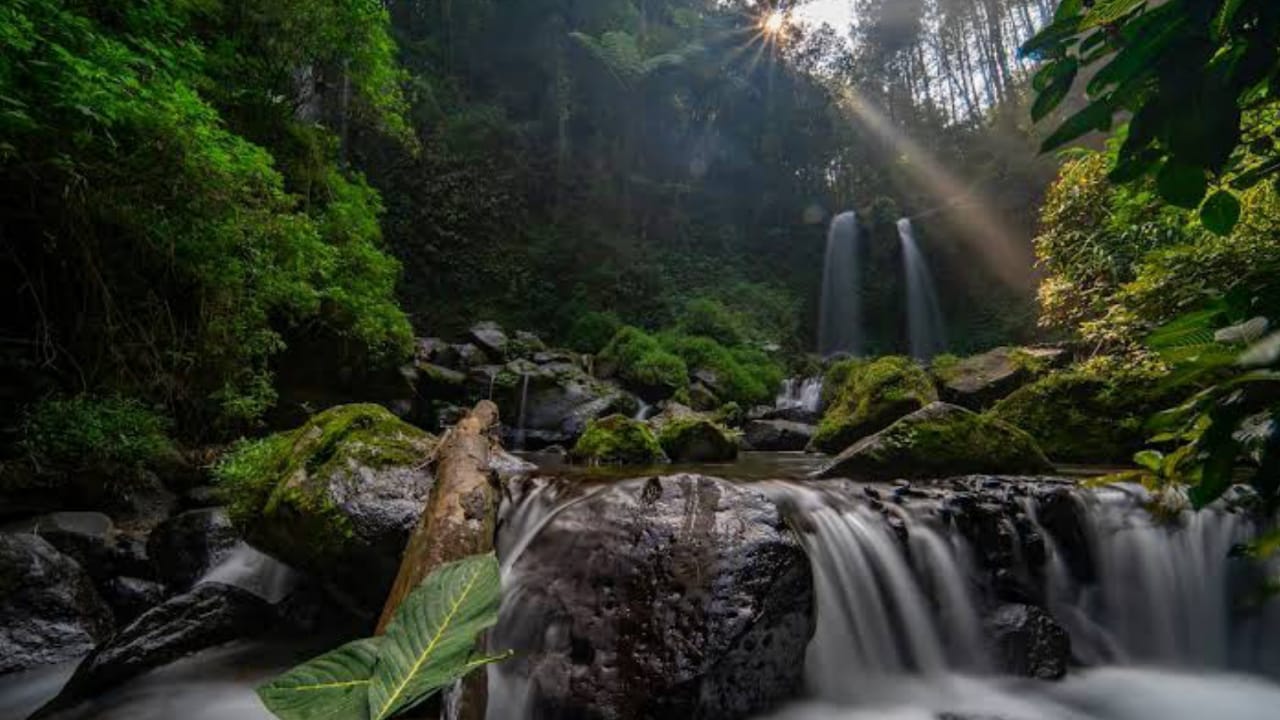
[255, 572]
[926, 328]
[840, 325]
[800, 394]
[524, 401]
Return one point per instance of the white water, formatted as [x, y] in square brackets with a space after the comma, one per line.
[800, 393]
[926, 328]
[840, 315]
[254, 572]
[643, 412]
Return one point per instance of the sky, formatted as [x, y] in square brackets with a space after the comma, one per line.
[836, 13]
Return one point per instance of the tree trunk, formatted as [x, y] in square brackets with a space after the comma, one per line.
[459, 521]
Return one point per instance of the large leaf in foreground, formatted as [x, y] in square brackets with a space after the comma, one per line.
[429, 642]
[334, 686]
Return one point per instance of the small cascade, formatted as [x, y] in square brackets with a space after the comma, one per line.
[524, 401]
[800, 394]
[644, 411]
[255, 572]
[840, 327]
[926, 328]
[493, 379]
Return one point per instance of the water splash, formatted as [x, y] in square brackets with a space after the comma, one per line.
[840, 327]
[800, 394]
[255, 572]
[926, 329]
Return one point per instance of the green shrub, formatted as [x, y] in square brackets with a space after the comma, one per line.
[86, 430]
[618, 440]
[591, 332]
[865, 397]
[644, 365]
[743, 375]
[708, 318]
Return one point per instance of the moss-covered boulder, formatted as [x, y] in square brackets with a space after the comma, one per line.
[698, 439]
[938, 441]
[979, 381]
[1086, 415]
[618, 440]
[336, 497]
[640, 363]
[865, 396]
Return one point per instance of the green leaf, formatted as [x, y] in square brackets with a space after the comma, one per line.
[1096, 116]
[334, 686]
[1181, 184]
[1152, 460]
[430, 640]
[1106, 12]
[1220, 213]
[1056, 89]
[1222, 23]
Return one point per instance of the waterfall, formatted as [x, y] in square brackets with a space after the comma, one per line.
[255, 572]
[840, 317]
[925, 326]
[642, 413]
[800, 394]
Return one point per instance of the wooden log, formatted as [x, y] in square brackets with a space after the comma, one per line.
[458, 521]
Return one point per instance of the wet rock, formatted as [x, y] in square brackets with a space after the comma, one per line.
[468, 356]
[130, 597]
[437, 383]
[200, 497]
[978, 382]
[490, 338]
[337, 497]
[938, 441]
[526, 344]
[1029, 642]
[508, 466]
[434, 351]
[185, 547]
[676, 597]
[1061, 514]
[618, 440]
[778, 435]
[209, 615]
[695, 440]
[867, 397]
[50, 611]
[558, 400]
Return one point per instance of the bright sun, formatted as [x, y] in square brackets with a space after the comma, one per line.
[773, 23]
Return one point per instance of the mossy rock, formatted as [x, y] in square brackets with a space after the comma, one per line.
[698, 439]
[865, 396]
[643, 366]
[979, 381]
[618, 440]
[939, 441]
[336, 497]
[1081, 416]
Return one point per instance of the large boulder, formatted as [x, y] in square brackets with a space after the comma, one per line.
[337, 497]
[93, 541]
[49, 609]
[778, 435]
[979, 381]
[939, 441]
[866, 396]
[618, 440]
[186, 546]
[698, 439]
[209, 615]
[1029, 642]
[490, 338]
[675, 597]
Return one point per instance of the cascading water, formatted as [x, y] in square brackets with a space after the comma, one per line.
[255, 572]
[800, 394]
[840, 316]
[524, 401]
[926, 329]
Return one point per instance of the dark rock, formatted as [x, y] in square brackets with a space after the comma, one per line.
[675, 597]
[1061, 514]
[1029, 642]
[490, 338]
[130, 597]
[792, 414]
[548, 357]
[185, 547]
[200, 497]
[980, 381]
[778, 435]
[703, 398]
[938, 441]
[49, 609]
[437, 383]
[209, 615]
[526, 344]
[696, 439]
[508, 466]
[434, 351]
[468, 356]
[558, 400]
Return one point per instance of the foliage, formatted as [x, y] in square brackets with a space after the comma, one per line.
[592, 331]
[172, 219]
[618, 440]
[865, 396]
[708, 318]
[1189, 71]
[83, 431]
[642, 362]
[741, 374]
[429, 643]
[697, 439]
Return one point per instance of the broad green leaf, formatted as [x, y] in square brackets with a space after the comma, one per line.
[1139, 57]
[1106, 12]
[1182, 184]
[1220, 213]
[1096, 116]
[1222, 23]
[430, 640]
[334, 686]
[1056, 89]
[1152, 460]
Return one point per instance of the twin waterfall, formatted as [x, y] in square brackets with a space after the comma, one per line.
[841, 325]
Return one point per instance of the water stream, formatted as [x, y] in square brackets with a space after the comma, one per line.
[840, 316]
[800, 394]
[926, 329]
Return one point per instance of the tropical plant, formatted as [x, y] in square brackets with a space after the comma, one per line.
[1190, 72]
[429, 644]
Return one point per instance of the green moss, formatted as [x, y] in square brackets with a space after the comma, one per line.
[618, 440]
[1090, 414]
[866, 396]
[83, 431]
[592, 331]
[708, 318]
[644, 365]
[945, 367]
[289, 472]
[698, 439]
[743, 375]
